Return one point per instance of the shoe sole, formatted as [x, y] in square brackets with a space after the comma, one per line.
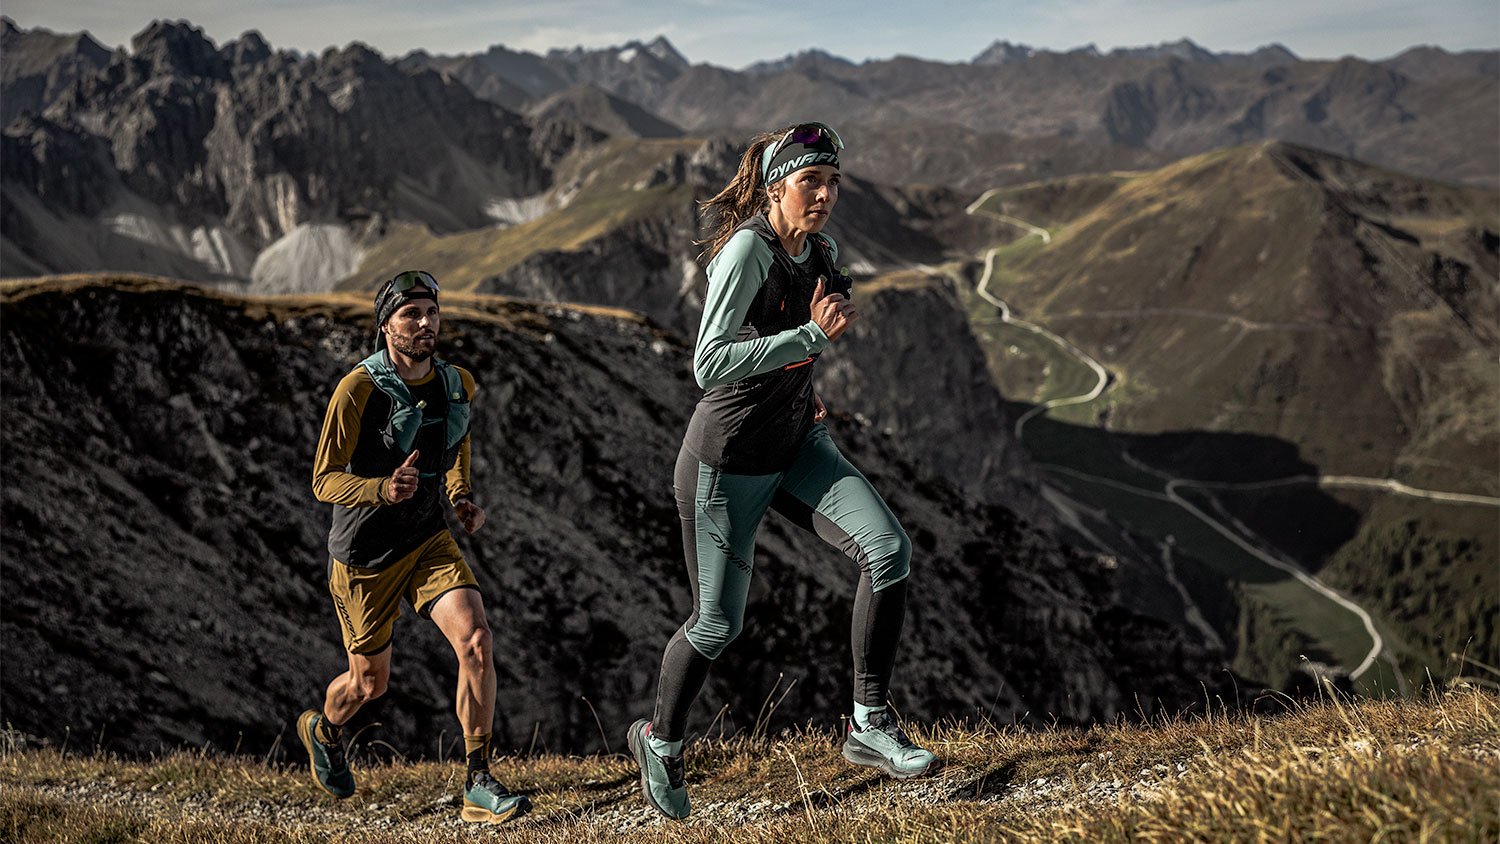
[636, 739]
[858, 754]
[479, 814]
[304, 732]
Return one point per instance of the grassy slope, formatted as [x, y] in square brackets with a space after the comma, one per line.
[1203, 284]
[600, 185]
[463, 260]
[1336, 771]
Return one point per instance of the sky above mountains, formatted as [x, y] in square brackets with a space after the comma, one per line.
[734, 33]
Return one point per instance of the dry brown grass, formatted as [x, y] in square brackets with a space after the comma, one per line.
[1390, 771]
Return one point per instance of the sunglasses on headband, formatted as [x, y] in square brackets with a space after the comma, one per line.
[414, 278]
[806, 134]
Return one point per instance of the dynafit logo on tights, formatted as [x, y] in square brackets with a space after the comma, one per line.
[806, 160]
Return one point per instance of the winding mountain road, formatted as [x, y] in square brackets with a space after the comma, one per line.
[1006, 317]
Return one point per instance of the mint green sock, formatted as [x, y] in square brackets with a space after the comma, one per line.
[664, 748]
[862, 714]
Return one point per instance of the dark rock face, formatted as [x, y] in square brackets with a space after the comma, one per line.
[165, 561]
[64, 167]
[177, 48]
[912, 364]
[643, 266]
[40, 65]
[261, 142]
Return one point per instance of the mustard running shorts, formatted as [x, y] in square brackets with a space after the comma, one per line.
[369, 601]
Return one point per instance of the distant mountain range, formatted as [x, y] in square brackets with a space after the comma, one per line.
[1004, 52]
[190, 159]
[1425, 111]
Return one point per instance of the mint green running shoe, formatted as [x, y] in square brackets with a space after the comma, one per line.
[883, 745]
[329, 768]
[487, 801]
[662, 777]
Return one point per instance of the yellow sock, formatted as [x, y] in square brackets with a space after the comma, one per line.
[326, 732]
[477, 748]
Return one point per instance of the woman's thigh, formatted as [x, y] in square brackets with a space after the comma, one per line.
[823, 492]
[719, 522]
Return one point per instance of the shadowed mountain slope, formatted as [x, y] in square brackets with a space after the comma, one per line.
[165, 572]
[592, 106]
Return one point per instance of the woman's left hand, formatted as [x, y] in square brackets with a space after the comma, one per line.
[821, 412]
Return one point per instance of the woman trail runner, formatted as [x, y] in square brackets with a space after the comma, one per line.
[757, 441]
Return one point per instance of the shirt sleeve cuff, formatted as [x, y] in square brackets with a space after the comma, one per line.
[813, 335]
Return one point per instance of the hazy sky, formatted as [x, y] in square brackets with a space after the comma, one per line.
[734, 33]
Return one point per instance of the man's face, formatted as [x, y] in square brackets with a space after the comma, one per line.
[412, 329]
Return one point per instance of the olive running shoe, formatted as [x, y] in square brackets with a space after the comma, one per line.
[882, 745]
[661, 776]
[329, 768]
[487, 801]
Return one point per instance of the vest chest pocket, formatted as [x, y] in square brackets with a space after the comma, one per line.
[458, 419]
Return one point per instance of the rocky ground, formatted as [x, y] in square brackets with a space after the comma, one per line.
[1336, 771]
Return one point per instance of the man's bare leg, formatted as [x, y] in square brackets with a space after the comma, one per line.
[460, 615]
[320, 731]
[363, 682]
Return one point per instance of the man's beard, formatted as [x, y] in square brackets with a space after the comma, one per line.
[411, 348]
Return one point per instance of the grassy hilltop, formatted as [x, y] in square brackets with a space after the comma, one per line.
[1335, 771]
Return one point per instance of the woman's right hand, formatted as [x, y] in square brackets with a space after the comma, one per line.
[832, 312]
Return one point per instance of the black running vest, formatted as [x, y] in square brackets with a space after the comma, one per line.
[754, 426]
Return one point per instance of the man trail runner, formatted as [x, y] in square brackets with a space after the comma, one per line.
[394, 444]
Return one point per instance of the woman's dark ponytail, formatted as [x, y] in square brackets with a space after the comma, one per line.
[740, 200]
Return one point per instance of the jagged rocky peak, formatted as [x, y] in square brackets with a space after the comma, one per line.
[659, 51]
[247, 51]
[1003, 52]
[791, 60]
[356, 54]
[661, 48]
[1276, 52]
[1182, 49]
[37, 43]
[39, 66]
[178, 47]
[362, 66]
[1187, 50]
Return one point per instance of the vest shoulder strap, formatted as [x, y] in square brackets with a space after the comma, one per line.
[406, 417]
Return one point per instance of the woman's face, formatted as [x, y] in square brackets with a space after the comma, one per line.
[806, 198]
